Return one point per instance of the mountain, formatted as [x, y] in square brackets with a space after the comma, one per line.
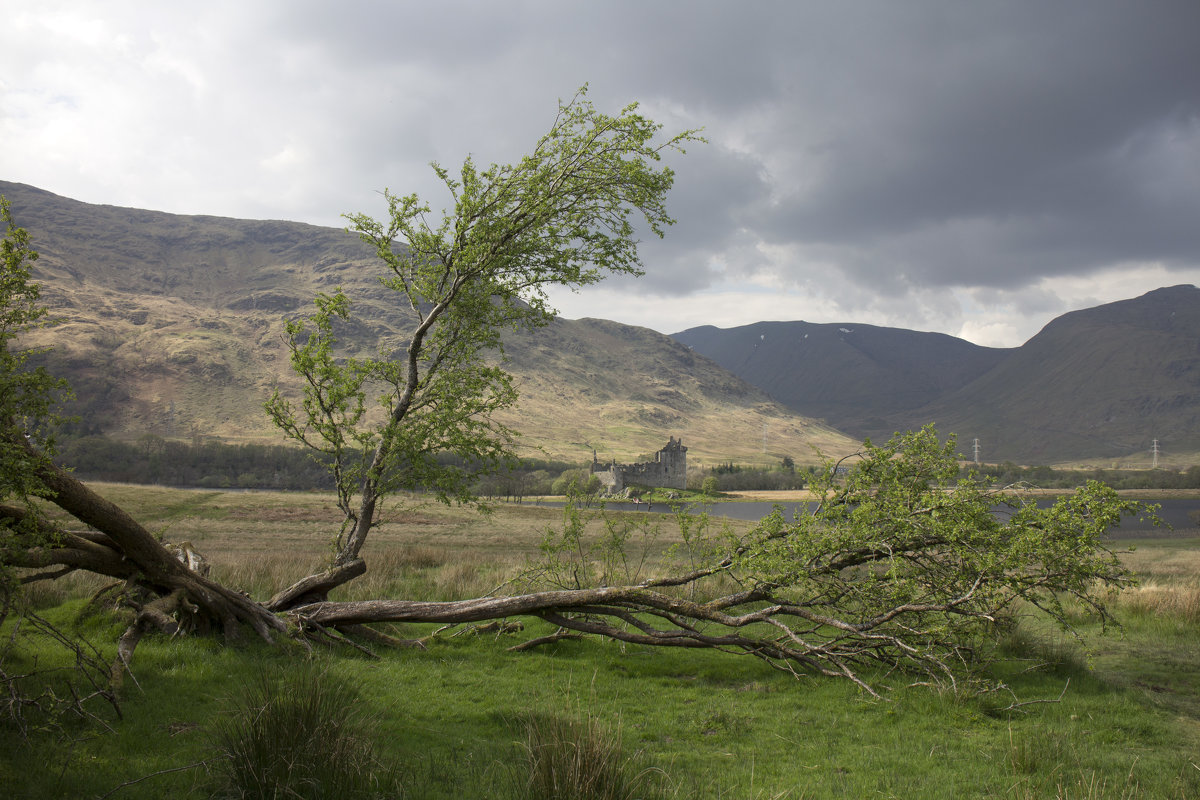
[173, 325]
[856, 377]
[1099, 384]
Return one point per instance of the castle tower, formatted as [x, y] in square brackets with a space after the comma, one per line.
[673, 461]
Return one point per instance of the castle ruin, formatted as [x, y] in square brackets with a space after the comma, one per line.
[668, 470]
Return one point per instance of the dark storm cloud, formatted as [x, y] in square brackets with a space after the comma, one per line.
[948, 164]
[915, 144]
[1047, 140]
[707, 236]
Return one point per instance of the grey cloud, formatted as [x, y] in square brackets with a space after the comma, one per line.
[709, 239]
[1047, 134]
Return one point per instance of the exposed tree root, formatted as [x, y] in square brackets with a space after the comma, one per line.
[156, 614]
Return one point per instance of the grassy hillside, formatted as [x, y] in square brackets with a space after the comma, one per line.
[173, 325]
[616, 388]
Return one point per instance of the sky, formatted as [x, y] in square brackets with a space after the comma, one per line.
[972, 168]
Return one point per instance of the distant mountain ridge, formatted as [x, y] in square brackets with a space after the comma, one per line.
[173, 325]
[855, 376]
[1097, 383]
[1100, 383]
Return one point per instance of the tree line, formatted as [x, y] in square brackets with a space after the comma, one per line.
[151, 459]
[1045, 477]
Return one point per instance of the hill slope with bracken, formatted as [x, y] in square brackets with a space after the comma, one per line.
[173, 325]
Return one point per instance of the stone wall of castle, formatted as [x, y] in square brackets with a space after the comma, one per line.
[668, 470]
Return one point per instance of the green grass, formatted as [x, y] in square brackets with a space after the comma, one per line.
[715, 725]
[454, 720]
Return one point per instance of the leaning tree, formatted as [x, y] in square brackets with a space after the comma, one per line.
[562, 216]
[899, 565]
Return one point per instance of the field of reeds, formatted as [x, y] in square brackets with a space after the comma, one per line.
[1113, 715]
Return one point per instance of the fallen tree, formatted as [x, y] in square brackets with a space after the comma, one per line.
[899, 566]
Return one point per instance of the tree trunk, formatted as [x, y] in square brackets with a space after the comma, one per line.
[145, 559]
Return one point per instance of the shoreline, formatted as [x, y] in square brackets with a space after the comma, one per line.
[800, 495]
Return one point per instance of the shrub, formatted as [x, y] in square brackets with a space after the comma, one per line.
[581, 759]
[299, 737]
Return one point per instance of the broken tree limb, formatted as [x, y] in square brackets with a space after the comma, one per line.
[316, 588]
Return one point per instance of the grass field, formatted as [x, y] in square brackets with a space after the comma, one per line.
[454, 719]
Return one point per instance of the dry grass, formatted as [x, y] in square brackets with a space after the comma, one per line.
[1166, 564]
[775, 495]
[260, 542]
[1177, 602]
[568, 758]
